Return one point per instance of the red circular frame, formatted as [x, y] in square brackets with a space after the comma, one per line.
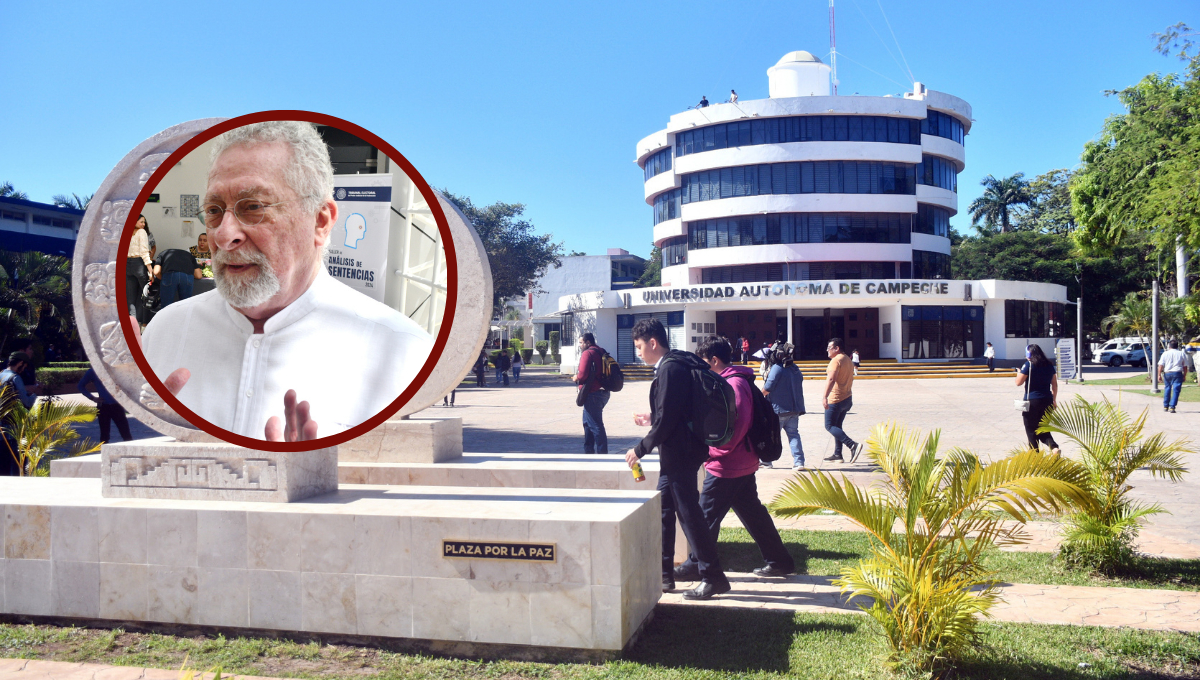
[388, 411]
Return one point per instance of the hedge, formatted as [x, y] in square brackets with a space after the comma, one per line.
[53, 378]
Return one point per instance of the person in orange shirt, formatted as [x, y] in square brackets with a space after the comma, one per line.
[837, 401]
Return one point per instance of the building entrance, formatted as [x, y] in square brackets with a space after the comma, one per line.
[858, 328]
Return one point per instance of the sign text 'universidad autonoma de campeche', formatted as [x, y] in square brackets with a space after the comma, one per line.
[797, 289]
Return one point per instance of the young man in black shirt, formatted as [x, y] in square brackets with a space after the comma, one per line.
[680, 455]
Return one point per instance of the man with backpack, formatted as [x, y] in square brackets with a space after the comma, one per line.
[680, 435]
[729, 481]
[591, 396]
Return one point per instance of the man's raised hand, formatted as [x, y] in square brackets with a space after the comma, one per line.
[297, 426]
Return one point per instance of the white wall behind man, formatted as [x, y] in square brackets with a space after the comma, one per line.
[189, 176]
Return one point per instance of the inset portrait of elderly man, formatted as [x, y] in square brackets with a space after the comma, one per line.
[280, 350]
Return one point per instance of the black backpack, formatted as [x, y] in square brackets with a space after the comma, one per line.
[763, 436]
[714, 410]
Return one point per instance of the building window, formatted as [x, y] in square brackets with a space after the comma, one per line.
[666, 206]
[799, 271]
[566, 336]
[930, 265]
[674, 251]
[547, 328]
[658, 163]
[932, 220]
[12, 215]
[938, 172]
[807, 177]
[936, 332]
[53, 222]
[799, 129]
[1033, 319]
[800, 228]
[943, 125]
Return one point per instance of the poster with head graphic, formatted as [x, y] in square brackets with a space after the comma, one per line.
[358, 248]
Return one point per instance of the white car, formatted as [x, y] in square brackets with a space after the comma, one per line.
[1119, 351]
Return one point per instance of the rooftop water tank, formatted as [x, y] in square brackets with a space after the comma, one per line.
[798, 74]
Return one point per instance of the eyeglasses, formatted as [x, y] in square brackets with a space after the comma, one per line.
[248, 211]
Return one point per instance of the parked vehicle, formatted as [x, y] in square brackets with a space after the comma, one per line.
[1128, 350]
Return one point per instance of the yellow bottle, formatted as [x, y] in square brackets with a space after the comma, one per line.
[638, 475]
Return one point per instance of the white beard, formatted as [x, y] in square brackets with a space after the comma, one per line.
[238, 291]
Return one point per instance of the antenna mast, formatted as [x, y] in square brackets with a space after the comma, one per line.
[833, 48]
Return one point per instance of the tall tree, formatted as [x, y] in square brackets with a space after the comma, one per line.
[1054, 258]
[652, 276]
[1050, 210]
[73, 201]
[35, 296]
[7, 190]
[994, 207]
[1139, 176]
[518, 256]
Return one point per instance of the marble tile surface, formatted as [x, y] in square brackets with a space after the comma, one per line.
[366, 560]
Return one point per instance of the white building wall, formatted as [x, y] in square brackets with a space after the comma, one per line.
[577, 274]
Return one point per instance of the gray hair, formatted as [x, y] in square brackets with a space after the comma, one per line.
[309, 173]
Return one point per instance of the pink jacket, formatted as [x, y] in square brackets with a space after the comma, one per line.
[736, 459]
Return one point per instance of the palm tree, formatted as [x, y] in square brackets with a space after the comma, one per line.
[72, 201]
[925, 584]
[33, 286]
[998, 194]
[43, 432]
[1111, 448]
[7, 190]
[1134, 316]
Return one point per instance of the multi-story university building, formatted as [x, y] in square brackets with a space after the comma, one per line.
[807, 216]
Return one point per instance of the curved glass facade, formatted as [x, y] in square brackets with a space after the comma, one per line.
[938, 172]
[800, 228]
[658, 163]
[801, 271]
[930, 265]
[942, 125]
[807, 177]
[666, 206]
[674, 251]
[932, 220]
[799, 129]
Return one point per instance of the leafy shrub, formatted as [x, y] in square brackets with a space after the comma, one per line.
[54, 378]
[1112, 447]
[515, 345]
[926, 585]
[527, 356]
[542, 346]
[554, 346]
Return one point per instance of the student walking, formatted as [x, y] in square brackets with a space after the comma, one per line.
[729, 481]
[784, 388]
[1041, 393]
[854, 360]
[989, 353]
[481, 369]
[1172, 370]
[517, 364]
[680, 454]
[837, 402]
[595, 398]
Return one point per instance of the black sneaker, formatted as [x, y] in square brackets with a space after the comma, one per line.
[855, 451]
[1172, 409]
[683, 573]
[835, 458]
[668, 585]
[706, 591]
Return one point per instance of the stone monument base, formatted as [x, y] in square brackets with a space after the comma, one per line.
[555, 569]
[416, 440]
[162, 467]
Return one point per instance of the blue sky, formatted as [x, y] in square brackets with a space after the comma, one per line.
[542, 103]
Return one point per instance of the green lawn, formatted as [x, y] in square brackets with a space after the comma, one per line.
[826, 552]
[1188, 393]
[680, 643]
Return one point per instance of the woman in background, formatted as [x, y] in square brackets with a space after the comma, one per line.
[1039, 372]
[200, 250]
[139, 269]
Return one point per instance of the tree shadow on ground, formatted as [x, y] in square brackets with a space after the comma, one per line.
[720, 639]
[745, 556]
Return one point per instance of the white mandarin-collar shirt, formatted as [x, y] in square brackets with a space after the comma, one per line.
[345, 354]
